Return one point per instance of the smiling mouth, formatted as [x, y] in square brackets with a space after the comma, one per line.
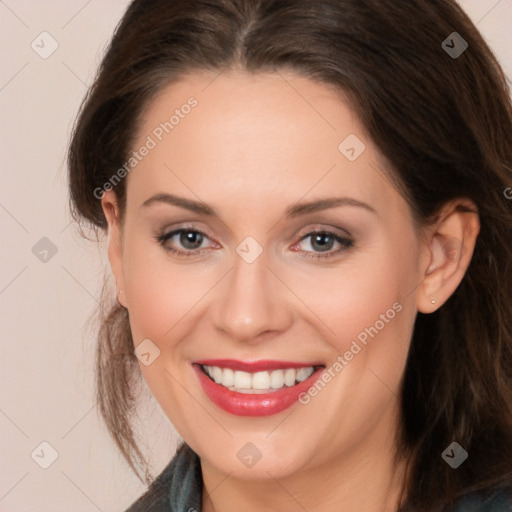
[255, 388]
[259, 382]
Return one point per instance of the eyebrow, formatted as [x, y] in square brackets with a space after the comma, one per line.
[293, 211]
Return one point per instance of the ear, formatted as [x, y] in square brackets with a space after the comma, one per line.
[446, 255]
[111, 211]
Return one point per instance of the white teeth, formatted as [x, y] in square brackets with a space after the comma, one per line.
[228, 377]
[242, 380]
[258, 382]
[277, 379]
[304, 373]
[289, 377]
[217, 374]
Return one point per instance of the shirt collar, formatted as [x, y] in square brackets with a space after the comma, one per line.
[186, 486]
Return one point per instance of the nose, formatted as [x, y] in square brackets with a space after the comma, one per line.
[252, 303]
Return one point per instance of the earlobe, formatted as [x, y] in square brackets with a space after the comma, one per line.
[111, 211]
[449, 248]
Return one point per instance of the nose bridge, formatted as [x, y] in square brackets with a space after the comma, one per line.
[251, 302]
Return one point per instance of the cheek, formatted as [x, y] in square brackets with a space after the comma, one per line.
[366, 295]
[159, 292]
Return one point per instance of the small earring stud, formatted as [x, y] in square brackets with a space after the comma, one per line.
[433, 301]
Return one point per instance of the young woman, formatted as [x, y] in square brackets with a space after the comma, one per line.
[309, 225]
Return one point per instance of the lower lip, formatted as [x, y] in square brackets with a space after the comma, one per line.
[244, 404]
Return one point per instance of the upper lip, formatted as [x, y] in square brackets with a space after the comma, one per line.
[255, 366]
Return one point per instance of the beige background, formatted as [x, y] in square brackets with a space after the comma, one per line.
[47, 352]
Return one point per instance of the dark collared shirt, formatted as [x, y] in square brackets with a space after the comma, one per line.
[179, 488]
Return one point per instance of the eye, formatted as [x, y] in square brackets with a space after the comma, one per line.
[322, 242]
[190, 239]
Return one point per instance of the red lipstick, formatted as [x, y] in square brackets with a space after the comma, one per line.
[244, 404]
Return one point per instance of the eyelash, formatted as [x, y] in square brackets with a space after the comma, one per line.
[163, 238]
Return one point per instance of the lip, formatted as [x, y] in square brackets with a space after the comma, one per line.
[243, 404]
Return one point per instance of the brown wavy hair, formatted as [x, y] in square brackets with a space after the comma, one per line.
[444, 124]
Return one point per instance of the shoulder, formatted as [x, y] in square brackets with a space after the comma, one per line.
[178, 487]
[499, 500]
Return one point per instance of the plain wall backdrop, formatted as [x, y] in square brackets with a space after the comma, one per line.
[51, 278]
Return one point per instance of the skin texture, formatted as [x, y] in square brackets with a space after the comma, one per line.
[253, 146]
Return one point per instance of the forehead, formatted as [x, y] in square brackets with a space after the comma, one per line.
[261, 137]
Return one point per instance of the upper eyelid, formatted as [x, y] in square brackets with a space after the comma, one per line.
[320, 228]
[316, 227]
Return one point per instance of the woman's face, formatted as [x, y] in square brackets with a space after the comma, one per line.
[253, 282]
